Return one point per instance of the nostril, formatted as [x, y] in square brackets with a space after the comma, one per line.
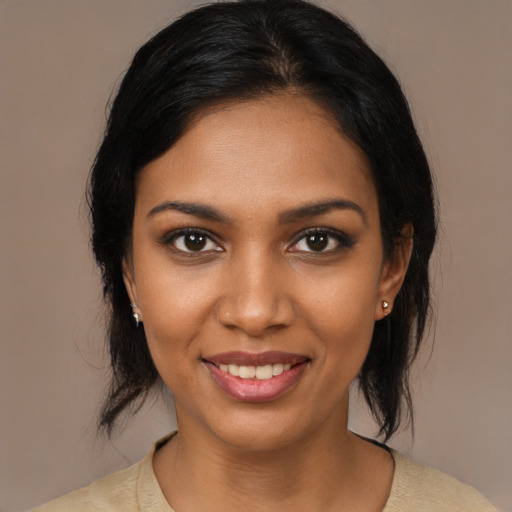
[253, 316]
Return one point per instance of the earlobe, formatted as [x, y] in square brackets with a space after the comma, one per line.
[393, 273]
[131, 290]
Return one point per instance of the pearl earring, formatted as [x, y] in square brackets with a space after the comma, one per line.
[136, 315]
[385, 304]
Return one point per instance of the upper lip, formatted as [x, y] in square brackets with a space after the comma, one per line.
[256, 359]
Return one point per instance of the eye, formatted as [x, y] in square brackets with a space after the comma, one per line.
[193, 241]
[321, 241]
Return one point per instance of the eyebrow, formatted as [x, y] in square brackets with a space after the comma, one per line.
[200, 210]
[207, 212]
[320, 208]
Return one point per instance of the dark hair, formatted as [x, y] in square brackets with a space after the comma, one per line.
[238, 51]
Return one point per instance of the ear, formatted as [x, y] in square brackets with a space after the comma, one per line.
[393, 272]
[129, 280]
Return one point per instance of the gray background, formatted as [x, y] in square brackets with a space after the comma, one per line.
[60, 59]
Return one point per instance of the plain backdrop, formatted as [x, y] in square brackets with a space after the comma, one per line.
[59, 62]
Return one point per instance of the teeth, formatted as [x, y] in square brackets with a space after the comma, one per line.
[259, 372]
[264, 372]
[234, 370]
[247, 372]
[277, 369]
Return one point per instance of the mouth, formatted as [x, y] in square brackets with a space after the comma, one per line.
[256, 377]
[265, 372]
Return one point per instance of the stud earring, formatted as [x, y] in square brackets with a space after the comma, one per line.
[136, 314]
[385, 304]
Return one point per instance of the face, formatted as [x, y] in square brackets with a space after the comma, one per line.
[258, 271]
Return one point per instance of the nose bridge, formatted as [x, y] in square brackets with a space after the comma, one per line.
[256, 299]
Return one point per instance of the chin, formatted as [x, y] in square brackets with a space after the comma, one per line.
[257, 441]
[262, 430]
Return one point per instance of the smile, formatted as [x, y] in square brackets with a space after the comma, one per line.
[256, 377]
[259, 372]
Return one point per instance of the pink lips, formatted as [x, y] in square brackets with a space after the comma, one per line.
[255, 390]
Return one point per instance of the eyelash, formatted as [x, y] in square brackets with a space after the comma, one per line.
[342, 240]
[170, 239]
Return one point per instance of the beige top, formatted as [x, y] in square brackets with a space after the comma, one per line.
[135, 489]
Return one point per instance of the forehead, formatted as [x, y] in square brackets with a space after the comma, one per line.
[273, 152]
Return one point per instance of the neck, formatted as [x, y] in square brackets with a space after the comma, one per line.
[327, 467]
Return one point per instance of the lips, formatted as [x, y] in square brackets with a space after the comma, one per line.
[259, 377]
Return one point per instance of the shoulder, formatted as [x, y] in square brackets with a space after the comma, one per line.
[134, 489]
[114, 492]
[424, 489]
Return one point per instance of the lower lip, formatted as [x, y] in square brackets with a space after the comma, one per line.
[255, 390]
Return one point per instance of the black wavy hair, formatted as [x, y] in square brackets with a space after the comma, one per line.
[231, 51]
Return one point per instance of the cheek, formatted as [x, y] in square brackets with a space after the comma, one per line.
[175, 307]
[341, 314]
[168, 294]
[173, 314]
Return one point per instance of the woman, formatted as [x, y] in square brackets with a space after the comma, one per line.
[263, 216]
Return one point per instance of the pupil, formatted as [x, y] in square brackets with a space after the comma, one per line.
[195, 242]
[317, 242]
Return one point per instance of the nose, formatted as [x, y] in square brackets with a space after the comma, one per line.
[256, 299]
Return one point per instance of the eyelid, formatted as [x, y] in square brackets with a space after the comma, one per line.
[169, 238]
[344, 241]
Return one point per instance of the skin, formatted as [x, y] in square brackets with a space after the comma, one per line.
[255, 286]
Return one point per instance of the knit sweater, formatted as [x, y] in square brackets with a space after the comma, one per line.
[415, 488]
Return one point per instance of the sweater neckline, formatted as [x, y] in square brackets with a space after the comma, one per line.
[151, 497]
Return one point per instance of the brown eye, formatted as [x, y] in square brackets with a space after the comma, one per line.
[317, 241]
[194, 241]
[322, 240]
